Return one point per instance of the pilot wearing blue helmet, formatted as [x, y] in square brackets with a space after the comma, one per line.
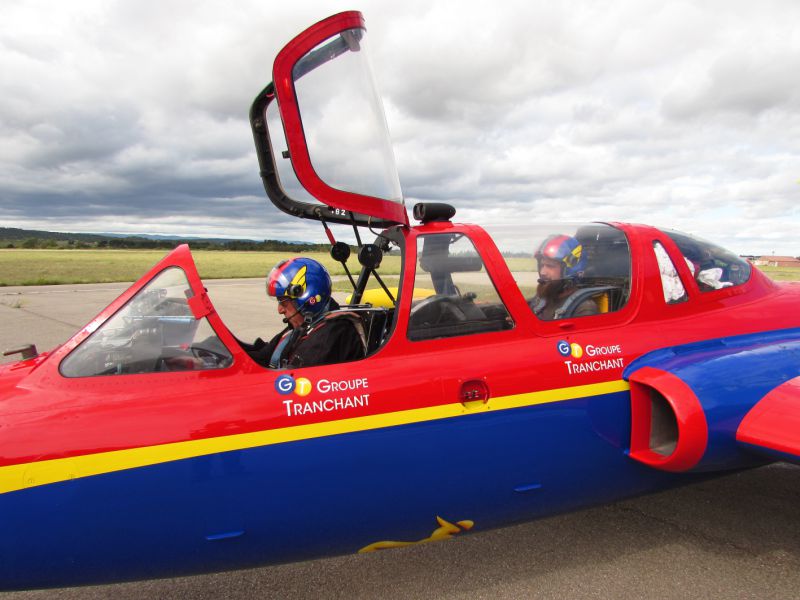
[315, 334]
[561, 265]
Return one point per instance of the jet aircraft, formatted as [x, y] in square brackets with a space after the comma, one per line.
[150, 444]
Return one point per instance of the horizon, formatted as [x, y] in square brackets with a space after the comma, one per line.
[168, 237]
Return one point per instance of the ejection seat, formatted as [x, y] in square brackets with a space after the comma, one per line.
[375, 321]
[608, 268]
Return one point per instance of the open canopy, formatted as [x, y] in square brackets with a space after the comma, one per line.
[321, 133]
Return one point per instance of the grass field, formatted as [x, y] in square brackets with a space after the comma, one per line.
[45, 267]
[781, 273]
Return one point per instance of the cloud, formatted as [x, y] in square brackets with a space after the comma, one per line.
[118, 117]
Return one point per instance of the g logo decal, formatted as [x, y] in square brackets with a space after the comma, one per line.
[285, 384]
[563, 348]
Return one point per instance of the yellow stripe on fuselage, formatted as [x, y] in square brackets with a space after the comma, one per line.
[16, 477]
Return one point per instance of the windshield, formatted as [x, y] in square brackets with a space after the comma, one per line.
[154, 332]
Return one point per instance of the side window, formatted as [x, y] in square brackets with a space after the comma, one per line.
[713, 267]
[453, 293]
[674, 291]
[155, 331]
[581, 274]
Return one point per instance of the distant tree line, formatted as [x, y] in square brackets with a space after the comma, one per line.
[145, 244]
[22, 238]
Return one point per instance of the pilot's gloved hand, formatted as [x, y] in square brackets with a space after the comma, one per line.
[254, 347]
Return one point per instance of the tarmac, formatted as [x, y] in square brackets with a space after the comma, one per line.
[736, 536]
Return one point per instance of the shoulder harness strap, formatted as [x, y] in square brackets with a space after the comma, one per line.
[353, 318]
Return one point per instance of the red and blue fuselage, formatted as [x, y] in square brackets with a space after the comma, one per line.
[135, 476]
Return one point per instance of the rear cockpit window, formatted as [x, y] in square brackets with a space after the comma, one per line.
[671, 283]
[453, 293]
[712, 267]
[154, 332]
[580, 273]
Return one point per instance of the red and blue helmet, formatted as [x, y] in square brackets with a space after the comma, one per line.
[303, 280]
[566, 250]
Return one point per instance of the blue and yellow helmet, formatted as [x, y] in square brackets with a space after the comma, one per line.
[303, 280]
[568, 251]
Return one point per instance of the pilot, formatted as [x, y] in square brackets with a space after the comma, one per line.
[561, 265]
[314, 335]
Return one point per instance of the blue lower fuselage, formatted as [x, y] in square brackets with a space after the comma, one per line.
[324, 496]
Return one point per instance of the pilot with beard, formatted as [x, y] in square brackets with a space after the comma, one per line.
[561, 265]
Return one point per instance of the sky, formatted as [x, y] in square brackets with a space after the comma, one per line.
[132, 116]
